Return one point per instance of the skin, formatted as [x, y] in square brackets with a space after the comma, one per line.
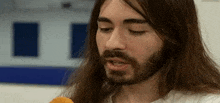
[119, 35]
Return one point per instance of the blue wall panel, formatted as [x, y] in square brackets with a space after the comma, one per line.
[25, 39]
[79, 33]
[35, 75]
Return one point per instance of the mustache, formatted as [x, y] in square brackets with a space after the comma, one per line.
[118, 54]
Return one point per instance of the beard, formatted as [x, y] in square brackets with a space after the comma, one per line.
[141, 72]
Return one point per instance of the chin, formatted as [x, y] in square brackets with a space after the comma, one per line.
[116, 80]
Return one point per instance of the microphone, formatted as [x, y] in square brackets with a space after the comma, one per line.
[61, 100]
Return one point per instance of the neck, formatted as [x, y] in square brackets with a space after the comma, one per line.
[144, 92]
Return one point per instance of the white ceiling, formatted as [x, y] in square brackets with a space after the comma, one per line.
[51, 4]
[44, 4]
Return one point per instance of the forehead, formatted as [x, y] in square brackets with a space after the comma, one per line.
[117, 7]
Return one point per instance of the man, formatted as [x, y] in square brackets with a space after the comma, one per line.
[145, 51]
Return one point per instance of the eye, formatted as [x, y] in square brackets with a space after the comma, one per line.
[137, 32]
[105, 30]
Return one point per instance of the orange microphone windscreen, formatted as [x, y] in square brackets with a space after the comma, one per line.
[61, 100]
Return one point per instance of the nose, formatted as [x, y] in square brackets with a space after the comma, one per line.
[117, 41]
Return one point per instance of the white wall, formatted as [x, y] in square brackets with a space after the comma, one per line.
[54, 36]
[6, 5]
[20, 93]
[209, 16]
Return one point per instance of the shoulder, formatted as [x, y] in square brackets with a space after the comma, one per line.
[210, 98]
[180, 97]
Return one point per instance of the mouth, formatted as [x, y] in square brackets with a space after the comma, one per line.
[117, 64]
[117, 60]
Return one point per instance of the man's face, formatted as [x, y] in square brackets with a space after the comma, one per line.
[126, 43]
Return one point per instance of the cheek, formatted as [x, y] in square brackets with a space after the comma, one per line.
[100, 41]
[143, 48]
[141, 52]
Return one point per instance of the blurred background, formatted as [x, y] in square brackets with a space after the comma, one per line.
[40, 43]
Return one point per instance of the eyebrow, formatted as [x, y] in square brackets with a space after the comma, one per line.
[126, 21]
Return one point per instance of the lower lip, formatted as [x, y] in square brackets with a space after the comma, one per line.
[117, 67]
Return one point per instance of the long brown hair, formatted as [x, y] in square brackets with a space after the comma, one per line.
[187, 68]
